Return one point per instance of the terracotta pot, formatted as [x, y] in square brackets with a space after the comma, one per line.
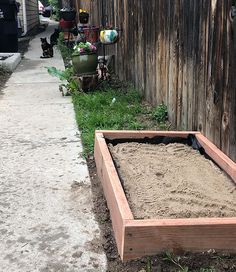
[84, 64]
[66, 24]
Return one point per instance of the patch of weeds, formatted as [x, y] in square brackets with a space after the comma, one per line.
[107, 109]
[176, 261]
[67, 76]
[147, 119]
[149, 265]
[160, 113]
[56, 9]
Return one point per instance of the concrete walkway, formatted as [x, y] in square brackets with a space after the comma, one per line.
[46, 219]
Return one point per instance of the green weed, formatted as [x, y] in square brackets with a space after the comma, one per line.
[56, 7]
[66, 75]
[160, 113]
[175, 260]
[149, 265]
[170, 257]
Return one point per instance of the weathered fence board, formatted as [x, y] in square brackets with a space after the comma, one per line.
[182, 53]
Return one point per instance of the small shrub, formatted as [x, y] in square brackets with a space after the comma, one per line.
[65, 76]
[56, 9]
[160, 113]
[106, 109]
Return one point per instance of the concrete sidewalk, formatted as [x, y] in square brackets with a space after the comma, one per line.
[46, 219]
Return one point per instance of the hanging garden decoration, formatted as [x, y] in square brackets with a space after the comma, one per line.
[109, 36]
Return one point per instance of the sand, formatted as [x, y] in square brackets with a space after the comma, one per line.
[173, 181]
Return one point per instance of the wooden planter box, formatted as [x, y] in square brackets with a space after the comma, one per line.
[138, 238]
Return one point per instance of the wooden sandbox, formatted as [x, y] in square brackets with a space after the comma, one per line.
[138, 238]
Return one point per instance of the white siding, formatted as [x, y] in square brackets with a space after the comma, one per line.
[20, 14]
[32, 14]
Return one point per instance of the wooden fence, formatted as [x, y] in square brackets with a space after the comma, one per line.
[182, 53]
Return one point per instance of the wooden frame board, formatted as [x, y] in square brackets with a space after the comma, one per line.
[138, 238]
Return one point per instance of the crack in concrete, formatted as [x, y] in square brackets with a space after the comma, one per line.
[7, 192]
[33, 104]
[34, 146]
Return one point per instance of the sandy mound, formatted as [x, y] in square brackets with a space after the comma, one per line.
[173, 181]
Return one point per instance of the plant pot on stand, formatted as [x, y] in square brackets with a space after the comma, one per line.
[68, 15]
[84, 64]
[83, 17]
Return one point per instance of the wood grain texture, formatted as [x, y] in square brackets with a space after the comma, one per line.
[115, 197]
[138, 238]
[140, 134]
[181, 53]
[149, 237]
[218, 156]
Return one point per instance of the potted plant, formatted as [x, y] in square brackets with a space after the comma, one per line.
[66, 24]
[84, 58]
[83, 16]
[68, 14]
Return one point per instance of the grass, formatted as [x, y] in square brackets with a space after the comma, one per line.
[109, 109]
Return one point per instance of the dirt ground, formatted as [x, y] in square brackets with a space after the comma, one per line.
[177, 179]
[201, 262]
[4, 75]
[23, 45]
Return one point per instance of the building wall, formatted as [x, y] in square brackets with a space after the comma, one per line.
[20, 16]
[32, 14]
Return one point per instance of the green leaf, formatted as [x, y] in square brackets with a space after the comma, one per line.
[53, 71]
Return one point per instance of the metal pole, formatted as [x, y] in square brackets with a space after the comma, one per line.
[103, 22]
[103, 26]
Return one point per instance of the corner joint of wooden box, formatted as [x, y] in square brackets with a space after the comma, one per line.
[99, 134]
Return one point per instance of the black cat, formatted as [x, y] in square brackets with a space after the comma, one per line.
[54, 37]
[47, 49]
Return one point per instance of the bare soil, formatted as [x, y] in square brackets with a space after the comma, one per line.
[177, 179]
[4, 76]
[23, 44]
